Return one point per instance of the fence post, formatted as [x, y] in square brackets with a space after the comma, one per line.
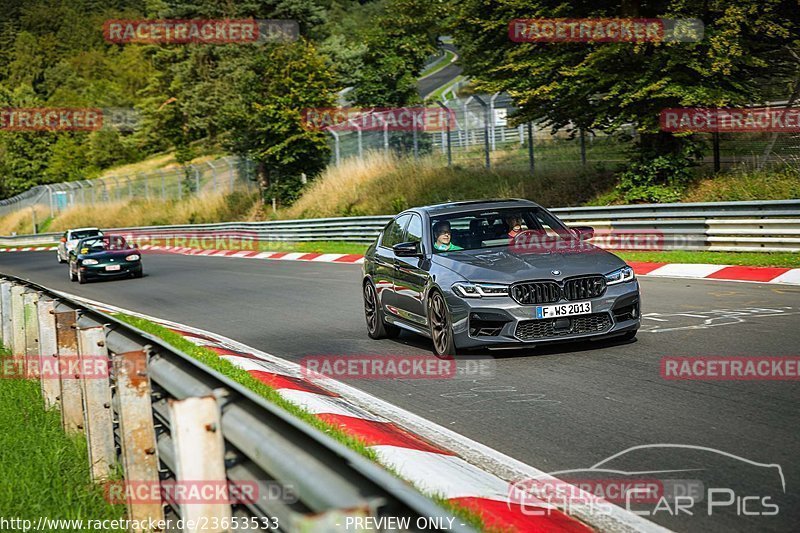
[530, 146]
[196, 180]
[199, 454]
[415, 139]
[213, 175]
[96, 391]
[136, 430]
[491, 115]
[146, 187]
[583, 146]
[715, 144]
[31, 318]
[6, 324]
[71, 396]
[232, 170]
[485, 128]
[163, 184]
[336, 145]
[18, 323]
[447, 112]
[51, 386]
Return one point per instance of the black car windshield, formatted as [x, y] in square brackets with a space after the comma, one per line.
[493, 228]
[101, 244]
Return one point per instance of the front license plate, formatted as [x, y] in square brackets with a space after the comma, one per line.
[554, 311]
[112, 267]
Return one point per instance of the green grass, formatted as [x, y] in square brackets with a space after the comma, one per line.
[43, 471]
[214, 361]
[764, 259]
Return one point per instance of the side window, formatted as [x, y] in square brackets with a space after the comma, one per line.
[393, 234]
[414, 230]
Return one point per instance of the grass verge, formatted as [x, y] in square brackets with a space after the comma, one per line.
[214, 361]
[44, 472]
[762, 259]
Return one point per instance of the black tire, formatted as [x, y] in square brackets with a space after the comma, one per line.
[444, 345]
[81, 279]
[72, 274]
[138, 274]
[377, 328]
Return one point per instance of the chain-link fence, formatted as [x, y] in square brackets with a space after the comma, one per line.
[477, 131]
[224, 175]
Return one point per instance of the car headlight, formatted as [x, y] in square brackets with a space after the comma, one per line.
[89, 262]
[132, 257]
[466, 289]
[620, 276]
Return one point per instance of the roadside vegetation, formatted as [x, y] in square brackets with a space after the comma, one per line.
[214, 361]
[44, 472]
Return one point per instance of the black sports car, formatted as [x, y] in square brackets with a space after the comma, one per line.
[497, 274]
[104, 257]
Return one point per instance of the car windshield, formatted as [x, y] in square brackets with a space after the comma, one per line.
[100, 244]
[83, 234]
[493, 228]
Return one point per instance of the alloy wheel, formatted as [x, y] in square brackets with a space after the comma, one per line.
[370, 307]
[440, 324]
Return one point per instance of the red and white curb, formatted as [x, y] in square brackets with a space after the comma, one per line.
[29, 249]
[789, 276]
[785, 276]
[436, 460]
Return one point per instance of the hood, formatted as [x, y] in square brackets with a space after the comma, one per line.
[502, 265]
[112, 254]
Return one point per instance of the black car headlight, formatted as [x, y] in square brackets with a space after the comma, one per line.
[466, 289]
[89, 262]
[620, 276]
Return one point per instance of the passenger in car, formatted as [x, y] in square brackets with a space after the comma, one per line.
[443, 234]
[514, 226]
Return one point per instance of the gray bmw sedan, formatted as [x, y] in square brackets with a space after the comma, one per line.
[494, 274]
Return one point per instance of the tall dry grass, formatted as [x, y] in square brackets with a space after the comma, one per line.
[385, 184]
[194, 210]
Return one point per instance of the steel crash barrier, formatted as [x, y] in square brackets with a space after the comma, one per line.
[768, 226]
[176, 428]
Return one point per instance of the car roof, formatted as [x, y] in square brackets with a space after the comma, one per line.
[83, 229]
[472, 205]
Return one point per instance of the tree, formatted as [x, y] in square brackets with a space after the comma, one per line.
[746, 49]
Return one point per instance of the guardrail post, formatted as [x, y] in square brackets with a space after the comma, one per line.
[71, 395]
[199, 455]
[51, 386]
[18, 323]
[6, 325]
[31, 318]
[96, 391]
[136, 431]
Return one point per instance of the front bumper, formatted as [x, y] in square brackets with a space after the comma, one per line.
[99, 271]
[500, 322]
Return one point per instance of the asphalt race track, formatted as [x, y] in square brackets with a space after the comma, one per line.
[560, 408]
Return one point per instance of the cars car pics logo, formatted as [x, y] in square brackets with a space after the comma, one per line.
[651, 492]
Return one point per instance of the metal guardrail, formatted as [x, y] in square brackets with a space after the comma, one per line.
[766, 226]
[167, 419]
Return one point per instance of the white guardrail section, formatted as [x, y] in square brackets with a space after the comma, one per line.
[759, 226]
[165, 420]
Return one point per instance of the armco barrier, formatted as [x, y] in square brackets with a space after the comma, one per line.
[171, 422]
[767, 226]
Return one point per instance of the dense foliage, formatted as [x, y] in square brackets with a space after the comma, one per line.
[241, 98]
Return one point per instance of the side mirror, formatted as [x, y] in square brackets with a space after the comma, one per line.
[584, 232]
[407, 249]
